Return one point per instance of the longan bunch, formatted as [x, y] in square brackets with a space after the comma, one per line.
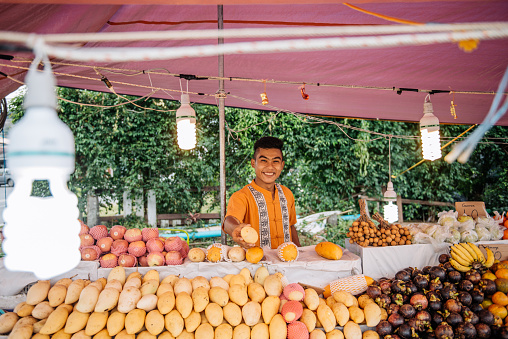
[365, 233]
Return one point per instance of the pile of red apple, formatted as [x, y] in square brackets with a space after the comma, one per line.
[132, 247]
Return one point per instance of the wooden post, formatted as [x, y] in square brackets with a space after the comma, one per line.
[399, 205]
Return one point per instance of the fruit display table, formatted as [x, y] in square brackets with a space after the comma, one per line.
[309, 269]
[385, 261]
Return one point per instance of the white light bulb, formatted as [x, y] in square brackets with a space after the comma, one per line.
[391, 212]
[186, 124]
[186, 134]
[429, 128]
[431, 145]
[41, 234]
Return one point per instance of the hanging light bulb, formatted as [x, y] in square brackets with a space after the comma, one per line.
[41, 233]
[390, 211]
[429, 128]
[186, 124]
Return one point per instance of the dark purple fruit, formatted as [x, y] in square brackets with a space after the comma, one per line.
[423, 316]
[444, 331]
[404, 331]
[443, 258]
[449, 292]
[487, 286]
[386, 287]
[482, 331]
[421, 282]
[407, 311]
[503, 332]
[437, 318]
[473, 276]
[477, 296]
[416, 272]
[396, 319]
[392, 308]
[403, 275]
[398, 286]
[465, 298]
[384, 328]
[466, 285]
[465, 331]
[470, 317]
[397, 299]
[391, 336]
[454, 319]
[435, 305]
[383, 301]
[448, 267]
[373, 291]
[419, 301]
[454, 276]
[410, 288]
[426, 269]
[452, 305]
[486, 317]
[435, 285]
[437, 272]
[476, 307]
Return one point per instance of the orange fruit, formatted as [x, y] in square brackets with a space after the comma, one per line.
[489, 275]
[486, 303]
[500, 298]
[498, 310]
[506, 223]
[505, 233]
[502, 273]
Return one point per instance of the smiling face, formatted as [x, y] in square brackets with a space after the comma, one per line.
[268, 165]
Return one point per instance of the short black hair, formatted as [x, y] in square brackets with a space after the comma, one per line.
[268, 142]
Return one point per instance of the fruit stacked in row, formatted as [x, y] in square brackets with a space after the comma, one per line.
[467, 256]
[366, 233]
[436, 302]
[130, 247]
[236, 306]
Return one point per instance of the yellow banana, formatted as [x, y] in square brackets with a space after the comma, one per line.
[479, 253]
[459, 267]
[490, 258]
[470, 250]
[463, 251]
[459, 253]
[459, 259]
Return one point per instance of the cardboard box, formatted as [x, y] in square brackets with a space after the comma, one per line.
[473, 209]
[500, 250]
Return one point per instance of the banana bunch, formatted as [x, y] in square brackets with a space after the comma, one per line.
[465, 256]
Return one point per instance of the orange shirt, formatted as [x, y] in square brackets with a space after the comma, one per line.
[242, 206]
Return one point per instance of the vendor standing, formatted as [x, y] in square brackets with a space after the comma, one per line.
[266, 206]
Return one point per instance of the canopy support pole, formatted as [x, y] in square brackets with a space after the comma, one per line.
[222, 124]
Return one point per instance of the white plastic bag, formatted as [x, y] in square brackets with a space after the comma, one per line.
[468, 236]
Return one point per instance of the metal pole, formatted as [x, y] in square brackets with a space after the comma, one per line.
[222, 125]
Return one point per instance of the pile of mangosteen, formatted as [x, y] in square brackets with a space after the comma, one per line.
[436, 302]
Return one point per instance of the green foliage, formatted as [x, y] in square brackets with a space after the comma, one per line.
[326, 167]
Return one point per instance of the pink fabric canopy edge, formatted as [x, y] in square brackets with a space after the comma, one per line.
[349, 80]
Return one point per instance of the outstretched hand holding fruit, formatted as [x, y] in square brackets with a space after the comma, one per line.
[234, 227]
